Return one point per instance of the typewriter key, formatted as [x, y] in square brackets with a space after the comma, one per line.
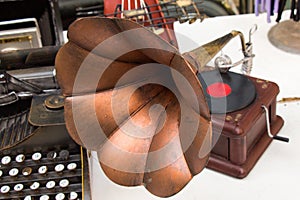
[64, 154]
[64, 183]
[27, 171]
[50, 185]
[43, 170]
[6, 160]
[1, 173]
[19, 187]
[20, 158]
[60, 196]
[37, 156]
[44, 197]
[28, 198]
[51, 155]
[5, 189]
[72, 166]
[35, 186]
[73, 196]
[59, 168]
[13, 172]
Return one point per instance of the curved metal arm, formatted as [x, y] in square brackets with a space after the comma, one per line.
[275, 137]
[9, 98]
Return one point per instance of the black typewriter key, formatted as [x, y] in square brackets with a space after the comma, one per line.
[20, 158]
[6, 160]
[60, 196]
[43, 170]
[64, 183]
[73, 196]
[51, 155]
[13, 172]
[35, 186]
[19, 187]
[59, 168]
[36, 156]
[44, 197]
[27, 171]
[72, 166]
[50, 185]
[64, 154]
[5, 189]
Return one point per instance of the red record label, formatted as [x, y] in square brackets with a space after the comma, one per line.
[218, 90]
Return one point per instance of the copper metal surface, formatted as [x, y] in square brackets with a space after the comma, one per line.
[168, 150]
[286, 36]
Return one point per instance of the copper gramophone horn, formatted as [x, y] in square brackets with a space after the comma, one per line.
[134, 99]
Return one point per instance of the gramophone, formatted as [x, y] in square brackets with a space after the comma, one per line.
[154, 115]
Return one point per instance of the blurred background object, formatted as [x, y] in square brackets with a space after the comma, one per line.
[73, 9]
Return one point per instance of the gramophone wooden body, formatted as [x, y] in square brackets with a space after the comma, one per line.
[244, 135]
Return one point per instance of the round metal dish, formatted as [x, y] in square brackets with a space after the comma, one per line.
[286, 36]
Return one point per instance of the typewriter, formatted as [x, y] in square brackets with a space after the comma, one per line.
[47, 165]
[38, 159]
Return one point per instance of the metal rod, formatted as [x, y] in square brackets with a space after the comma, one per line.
[275, 137]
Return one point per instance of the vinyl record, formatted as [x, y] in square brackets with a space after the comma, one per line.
[227, 92]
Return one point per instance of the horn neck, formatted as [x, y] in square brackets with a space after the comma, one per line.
[200, 56]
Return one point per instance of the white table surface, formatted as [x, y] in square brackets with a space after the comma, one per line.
[276, 176]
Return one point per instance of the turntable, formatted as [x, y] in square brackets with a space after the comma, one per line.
[249, 111]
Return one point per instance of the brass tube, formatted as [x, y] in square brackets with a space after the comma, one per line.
[200, 56]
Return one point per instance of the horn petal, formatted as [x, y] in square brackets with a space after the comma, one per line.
[99, 106]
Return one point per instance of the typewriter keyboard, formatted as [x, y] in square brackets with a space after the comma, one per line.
[39, 174]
